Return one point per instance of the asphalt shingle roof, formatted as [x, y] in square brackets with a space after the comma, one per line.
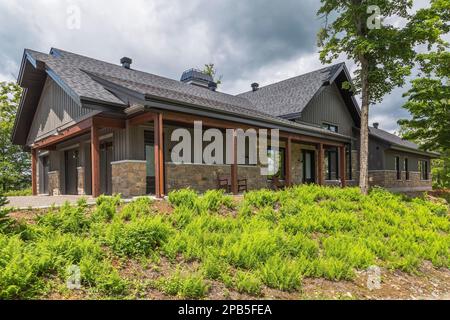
[292, 95]
[78, 73]
[392, 138]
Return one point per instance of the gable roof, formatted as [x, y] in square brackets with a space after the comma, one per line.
[398, 143]
[88, 80]
[291, 96]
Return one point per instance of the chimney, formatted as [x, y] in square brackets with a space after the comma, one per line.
[198, 78]
[212, 86]
[255, 86]
[126, 62]
[375, 125]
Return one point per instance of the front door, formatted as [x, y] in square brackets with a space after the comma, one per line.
[106, 157]
[309, 175]
[149, 143]
[71, 176]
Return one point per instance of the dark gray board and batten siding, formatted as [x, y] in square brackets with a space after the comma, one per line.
[55, 109]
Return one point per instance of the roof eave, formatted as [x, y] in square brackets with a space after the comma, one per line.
[433, 155]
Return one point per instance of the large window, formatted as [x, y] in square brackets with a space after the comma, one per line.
[397, 168]
[406, 168]
[331, 164]
[330, 127]
[276, 159]
[423, 169]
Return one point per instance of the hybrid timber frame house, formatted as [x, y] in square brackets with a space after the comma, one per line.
[97, 128]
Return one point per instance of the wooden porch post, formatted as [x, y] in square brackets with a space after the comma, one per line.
[34, 171]
[95, 161]
[320, 164]
[234, 165]
[159, 155]
[342, 166]
[288, 176]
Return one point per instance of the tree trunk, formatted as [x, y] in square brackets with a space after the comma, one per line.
[364, 133]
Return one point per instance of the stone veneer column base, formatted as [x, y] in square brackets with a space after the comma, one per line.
[54, 186]
[129, 177]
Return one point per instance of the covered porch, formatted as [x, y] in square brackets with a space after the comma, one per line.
[102, 155]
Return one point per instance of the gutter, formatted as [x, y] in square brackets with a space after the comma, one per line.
[176, 106]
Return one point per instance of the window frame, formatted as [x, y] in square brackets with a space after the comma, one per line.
[406, 168]
[328, 126]
[398, 170]
[424, 175]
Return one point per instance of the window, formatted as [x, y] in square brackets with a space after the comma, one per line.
[330, 127]
[423, 168]
[331, 164]
[397, 168]
[276, 157]
[406, 168]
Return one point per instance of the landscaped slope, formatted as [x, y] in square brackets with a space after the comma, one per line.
[214, 246]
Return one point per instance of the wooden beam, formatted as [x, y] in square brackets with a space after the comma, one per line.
[288, 175]
[320, 164]
[102, 122]
[159, 164]
[142, 118]
[70, 132]
[161, 153]
[95, 161]
[234, 165]
[34, 172]
[342, 171]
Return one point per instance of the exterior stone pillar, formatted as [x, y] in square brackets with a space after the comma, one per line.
[129, 177]
[54, 184]
[81, 181]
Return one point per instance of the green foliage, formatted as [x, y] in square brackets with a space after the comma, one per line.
[68, 218]
[183, 197]
[247, 282]
[210, 69]
[19, 193]
[139, 237]
[15, 164]
[188, 286]
[281, 238]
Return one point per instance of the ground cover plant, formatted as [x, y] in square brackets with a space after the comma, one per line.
[268, 240]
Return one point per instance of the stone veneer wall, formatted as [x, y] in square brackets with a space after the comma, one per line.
[253, 175]
[129, 177]
[296, 164]
[54, 185]
[200, 177]
[81, 181]
[388, 179]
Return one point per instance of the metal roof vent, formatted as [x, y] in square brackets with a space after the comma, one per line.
[375, 125]
[126, 62]
[255, 86]
[197, 78]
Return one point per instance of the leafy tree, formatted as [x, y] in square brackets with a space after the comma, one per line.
[210, 69]
[384, 53]
[429, 104]
[14, 162]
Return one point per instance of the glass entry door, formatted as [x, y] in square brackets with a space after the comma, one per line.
[309, 173]
[149, 143]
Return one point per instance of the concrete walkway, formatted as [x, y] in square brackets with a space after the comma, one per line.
[44, 202]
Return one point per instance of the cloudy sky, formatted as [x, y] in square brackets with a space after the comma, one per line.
[249, 41]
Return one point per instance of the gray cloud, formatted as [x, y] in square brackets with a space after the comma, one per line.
[263, 41]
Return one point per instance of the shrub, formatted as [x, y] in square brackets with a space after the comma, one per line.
[261, 198]
[68, 218]
[138, 237]
[19, 193]
[213, 200]
[189, 286]
[5, 220]
[281, 274]
[247, 282]
[183, 197]
[136, 209]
